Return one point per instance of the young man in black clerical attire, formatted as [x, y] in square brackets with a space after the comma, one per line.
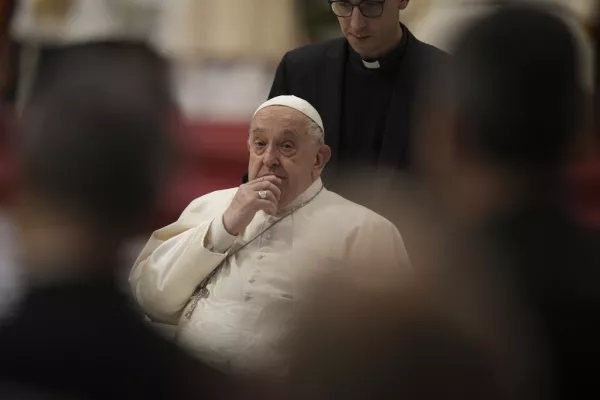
[363, 84]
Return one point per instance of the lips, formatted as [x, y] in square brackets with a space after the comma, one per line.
[360, 37]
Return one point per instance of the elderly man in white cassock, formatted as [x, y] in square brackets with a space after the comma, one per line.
[228, 272]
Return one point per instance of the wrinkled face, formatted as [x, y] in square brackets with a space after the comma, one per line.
[280, 144]
[373, 37]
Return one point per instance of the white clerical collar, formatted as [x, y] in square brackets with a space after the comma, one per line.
[371, 65]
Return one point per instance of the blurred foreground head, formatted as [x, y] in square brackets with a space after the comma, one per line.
[507, 111]
[385, 338]
[596, 36]
[94, 140]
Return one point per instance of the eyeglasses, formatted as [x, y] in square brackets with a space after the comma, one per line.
[368, 8]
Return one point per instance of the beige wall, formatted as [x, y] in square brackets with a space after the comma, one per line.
[229, 29]
[184, 29]
[69, 21]
[439, 21]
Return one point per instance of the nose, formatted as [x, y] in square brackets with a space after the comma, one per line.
[271, 159]
[357, 20]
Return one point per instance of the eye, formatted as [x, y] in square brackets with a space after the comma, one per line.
[288, 146]
[259, 144]
[369, 5]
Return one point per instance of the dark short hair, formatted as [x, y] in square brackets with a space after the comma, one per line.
[515, 75]
[94, 132]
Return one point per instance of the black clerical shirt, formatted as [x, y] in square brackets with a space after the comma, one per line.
[369, 88]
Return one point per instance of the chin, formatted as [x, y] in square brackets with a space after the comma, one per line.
[367, 56]
[360, 48]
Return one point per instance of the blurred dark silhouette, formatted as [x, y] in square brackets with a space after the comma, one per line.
[9, 68]
[503, 122]
[9, 54]
[596, 35]
[92, 150]
[384, 338]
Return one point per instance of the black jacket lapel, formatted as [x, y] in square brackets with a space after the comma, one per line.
[331, 93]
[396, 137]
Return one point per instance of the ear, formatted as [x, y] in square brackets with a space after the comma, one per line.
[323, 156]
[402, 4]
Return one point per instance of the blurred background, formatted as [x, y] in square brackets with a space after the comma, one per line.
[223, 55]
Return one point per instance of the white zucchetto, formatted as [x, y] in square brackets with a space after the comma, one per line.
[297, 104]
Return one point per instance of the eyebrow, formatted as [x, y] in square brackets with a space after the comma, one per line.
[290, 132]
[287, 131]
[257, 130]
[284, 132]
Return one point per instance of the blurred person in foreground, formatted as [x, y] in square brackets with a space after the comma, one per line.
[363, 84]
[93, 149]
[376, 337]
[10, 282]
[596, 105]
[503, 120]
[231, 269]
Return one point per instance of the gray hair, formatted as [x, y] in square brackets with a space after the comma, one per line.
[316, 132]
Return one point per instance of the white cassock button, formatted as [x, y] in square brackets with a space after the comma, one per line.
[268, 235]
[260, 256]
[252, 280]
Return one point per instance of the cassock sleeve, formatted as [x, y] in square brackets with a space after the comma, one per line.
[280, 85]
[177, 258]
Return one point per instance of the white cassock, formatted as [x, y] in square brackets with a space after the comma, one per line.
[240, 326]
